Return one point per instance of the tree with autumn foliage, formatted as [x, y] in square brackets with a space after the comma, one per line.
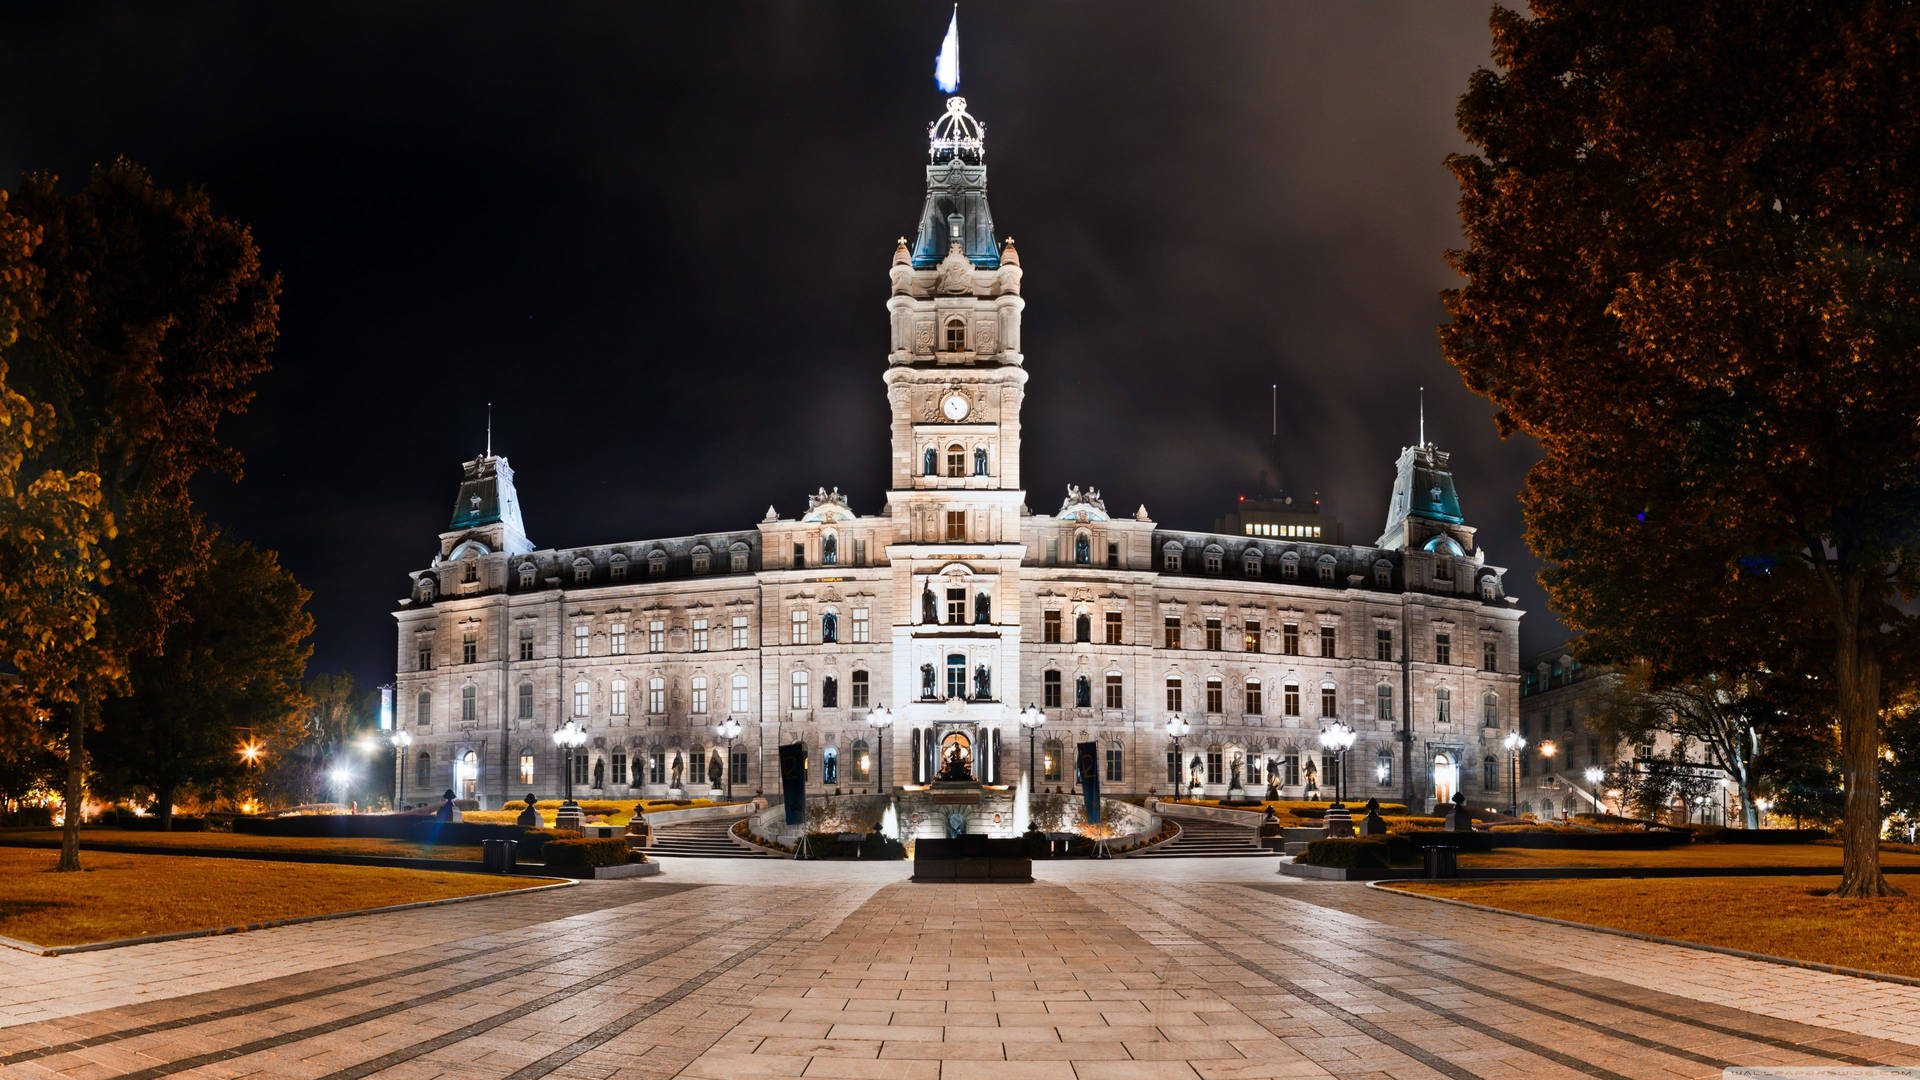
[1690, 275]
[229, 672]
[144, 318]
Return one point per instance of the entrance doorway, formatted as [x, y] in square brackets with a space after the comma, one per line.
[1446, 778]
[956, 758]
[469, 785]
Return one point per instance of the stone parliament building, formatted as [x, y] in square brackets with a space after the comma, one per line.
[956, 609]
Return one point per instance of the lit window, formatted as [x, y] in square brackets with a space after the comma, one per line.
[526, 766]
[1250, 636]
[956, 338]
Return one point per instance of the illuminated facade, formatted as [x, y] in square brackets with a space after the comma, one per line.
[956, 607]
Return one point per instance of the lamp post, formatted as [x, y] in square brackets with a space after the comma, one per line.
[1031, 718]
[401, 740]
[1177, 729]
[729, 729]
[570, 737]
[1514, 742]
[1338, 737]
[250, 753]
[1595, 774]
[880, 719]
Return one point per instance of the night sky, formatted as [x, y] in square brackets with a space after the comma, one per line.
[656, 237]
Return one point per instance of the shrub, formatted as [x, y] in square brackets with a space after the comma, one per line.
[1714, 834]
[30, 816]
[585, 853]
[1355, 854]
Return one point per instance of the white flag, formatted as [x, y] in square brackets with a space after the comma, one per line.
[946, 67]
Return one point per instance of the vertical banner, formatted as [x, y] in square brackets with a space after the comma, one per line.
[386, 708]
[793, 781]
[1089, 767]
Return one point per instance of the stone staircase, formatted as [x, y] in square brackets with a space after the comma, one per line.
[1208, 840]
[702, 840]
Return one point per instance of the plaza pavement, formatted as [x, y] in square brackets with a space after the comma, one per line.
[1121, 970]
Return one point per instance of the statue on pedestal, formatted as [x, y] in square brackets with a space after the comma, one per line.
[928, 614]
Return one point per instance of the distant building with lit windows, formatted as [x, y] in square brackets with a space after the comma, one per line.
[955, 606]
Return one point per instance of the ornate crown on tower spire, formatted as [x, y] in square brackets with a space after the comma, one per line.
[957, 134]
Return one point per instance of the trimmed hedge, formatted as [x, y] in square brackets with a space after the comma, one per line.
[1572, 841]
[415, 827]
[1714, 834]
[1370, 853]
[612, 851]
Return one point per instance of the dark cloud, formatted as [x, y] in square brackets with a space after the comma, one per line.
[656, 237]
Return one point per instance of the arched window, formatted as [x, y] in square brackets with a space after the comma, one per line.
[1490, 710]
[526, 765]
[1383, 767]
[829, 766]
[862, 761]
[741, 702]
[979, 461]
[699, 695]
[829, 628]
[1170, 556]
[956, 339]
[956, 676]
[526, 575]
[802, 690]
[657, 563]
[423, 769]
[467, 703]
[829, 693]
[1083, 627]
[423, 709]
[426, 590]
[956, 460]
[1082, 692]
[525, 711]
[829, 549]
[618, 693]
[1443, 706]
[1290, 566]
[1053, 760]
[929, 466]
[1082, 549]
[1490, 774]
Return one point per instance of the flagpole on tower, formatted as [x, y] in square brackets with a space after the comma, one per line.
[489, 429]
[946, 66]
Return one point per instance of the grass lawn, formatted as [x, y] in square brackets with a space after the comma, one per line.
[204, 841]
[1795, 855]
[118, 896]
[1774, 915]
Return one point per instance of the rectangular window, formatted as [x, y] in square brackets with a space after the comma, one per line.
[797, 628]
[1386, 702]
[469, 647]
[1173, 767]
[1050, 690]
[1250, 636]
[1115, 762]
[467, 702]
[1213, 765]
[526, 644]
[862, 626]
[1489, 656]
[657, 767]
[862, 690]
[526, 768]
[1050, 628]
[618, 767]
[956, 607]
[526, 701]
[580, 768]
[1213, 635]
[699, 696]
[799, 556]
[739, 764]
[1329, 640]
[1290, 699]
[739, 631]
[580, 699]
[1173, 695]
[1291, 768]
[1053, 550]
[740, 699]
[699, 635]
[1254, 702]
[1443, 648]
[582, 638]
[1329, 702]
[1115, 621]
[1113, 555]
[657, 636]
[1216, 696]
[1171, 631]
[1383, 645]
[1290, 638]
[956, 525]
[426, 657]
[1115, 698]
[617, 639]
[657, 696]
[618, 698]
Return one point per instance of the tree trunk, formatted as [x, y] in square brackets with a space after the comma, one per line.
[163, 803]
[76, 780]
[1857, 671]
[1749, 807]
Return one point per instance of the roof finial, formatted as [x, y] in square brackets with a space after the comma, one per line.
[1423, 416]
[489, 429]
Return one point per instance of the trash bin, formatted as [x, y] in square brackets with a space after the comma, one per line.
[499, 856]
[1443, 862]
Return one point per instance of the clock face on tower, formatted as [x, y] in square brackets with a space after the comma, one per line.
[955, 406]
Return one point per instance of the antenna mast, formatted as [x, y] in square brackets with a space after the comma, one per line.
[489, 429]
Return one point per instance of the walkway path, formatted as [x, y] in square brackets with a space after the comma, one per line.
[1123, 970]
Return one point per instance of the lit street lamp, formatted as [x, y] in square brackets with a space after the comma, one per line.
[880, 719]
[1595, 774]
[401, 740]
[1177, 729]
[1514, 742]
[729, 729]
[569, 738]
[341, 777]
[250, 753]
[1031, 718]
[1338, 738]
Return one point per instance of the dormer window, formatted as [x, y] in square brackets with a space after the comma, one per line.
[739, 554]
[1326, 566]
[582, 571]
[956, 335]
[1251, 564]
[1489, 588]
[1213, 554]
[702, 559]
[526, 575]
[471, 573]
[1290, 566]
[1383, 574]
[617, 568]
[657, 563]
[1170, 558]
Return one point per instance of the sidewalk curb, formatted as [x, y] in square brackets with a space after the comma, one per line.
[220, 931]
[1784, 961]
